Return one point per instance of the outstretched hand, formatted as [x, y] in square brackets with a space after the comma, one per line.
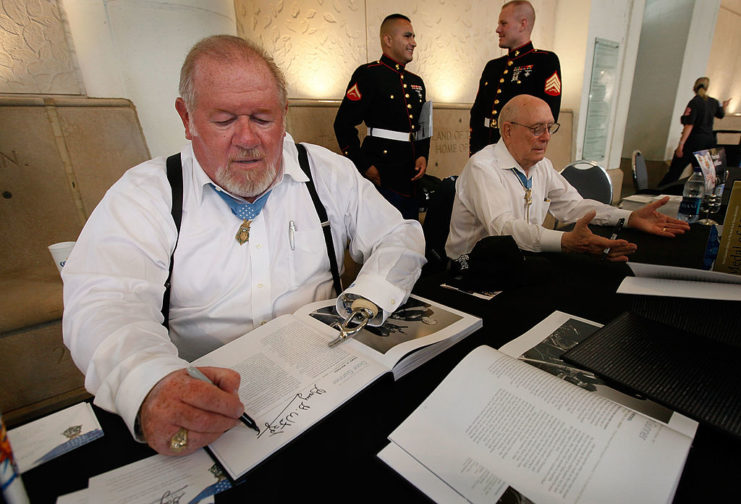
[205, 410]
[649, 220]
[581, 239]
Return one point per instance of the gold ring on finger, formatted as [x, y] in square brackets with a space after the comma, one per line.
[179, 440]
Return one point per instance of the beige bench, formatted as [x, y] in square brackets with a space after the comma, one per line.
[58, 156]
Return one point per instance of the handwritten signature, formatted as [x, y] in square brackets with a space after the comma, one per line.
[173, 496]
[289, 415]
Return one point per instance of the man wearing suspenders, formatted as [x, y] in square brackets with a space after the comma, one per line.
[232, 240]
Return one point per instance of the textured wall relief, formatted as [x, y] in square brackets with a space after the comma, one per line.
[453, 43]
[317, 43]
[35, 56]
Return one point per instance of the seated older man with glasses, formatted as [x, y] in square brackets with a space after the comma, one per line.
[508, 188]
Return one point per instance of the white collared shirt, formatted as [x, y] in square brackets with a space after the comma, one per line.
[114, 278]
[490, 201]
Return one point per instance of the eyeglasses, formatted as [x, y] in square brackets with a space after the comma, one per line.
[540, 128]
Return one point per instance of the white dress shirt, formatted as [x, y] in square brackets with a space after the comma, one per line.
[114, 278]
[490, 201]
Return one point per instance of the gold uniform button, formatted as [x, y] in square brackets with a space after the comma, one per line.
[519, 82]
[411, 116]
[510, 63]
[392, 97]
[499, 91]
[412, 126]
[486, 83]
[401, 76]
[385, 151]
[506, 71]
[397, 67]
[405, 85]
[493, 122]
[501, 80]
[494, 112]
[496, 102]
[517, 53]
[409, 105]
[406, 95]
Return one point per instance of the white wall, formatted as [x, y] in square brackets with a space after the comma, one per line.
[694, 65]
[724, 63]
[36, 55]
[616, 22]
[578, 23]
[134, 49]
[674, 47]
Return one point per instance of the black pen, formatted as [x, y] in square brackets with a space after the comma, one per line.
[614, 234]
[196, 373]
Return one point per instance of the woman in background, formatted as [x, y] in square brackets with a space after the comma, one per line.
[697, 133]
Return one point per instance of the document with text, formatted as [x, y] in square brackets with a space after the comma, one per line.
[524, 430]
[291, 378]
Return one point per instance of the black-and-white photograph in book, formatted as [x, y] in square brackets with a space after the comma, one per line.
[547, 356]
[412, 320]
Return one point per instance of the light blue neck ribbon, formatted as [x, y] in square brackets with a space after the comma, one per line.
[527, 183]
[243, 209]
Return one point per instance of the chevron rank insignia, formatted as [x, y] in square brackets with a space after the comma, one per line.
[553, 85]
[353, 94]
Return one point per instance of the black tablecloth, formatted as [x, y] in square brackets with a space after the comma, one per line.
[336, 459]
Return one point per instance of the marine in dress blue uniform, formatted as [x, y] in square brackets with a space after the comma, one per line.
[525, 70]
[388, 98]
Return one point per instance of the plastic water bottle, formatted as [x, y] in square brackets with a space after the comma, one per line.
[694, 190]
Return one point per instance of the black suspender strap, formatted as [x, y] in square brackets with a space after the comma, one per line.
[303, 160]
[175, 177]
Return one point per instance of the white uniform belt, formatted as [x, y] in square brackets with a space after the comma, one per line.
[399, 136]
[487, 123]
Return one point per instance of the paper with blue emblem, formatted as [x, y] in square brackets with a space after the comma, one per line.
[193, 479]
[54, 435]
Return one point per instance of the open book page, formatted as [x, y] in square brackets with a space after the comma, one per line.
[550, 440]
[673, 281]
[679, 273]
[417, 331]
[78, 497]
[193, 478]
[437, 489]
[418, 475]
[290, 380]
[543, 345]
[680, 288]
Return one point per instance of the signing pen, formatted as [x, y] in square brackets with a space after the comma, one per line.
[614, 234]
[196, 373]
